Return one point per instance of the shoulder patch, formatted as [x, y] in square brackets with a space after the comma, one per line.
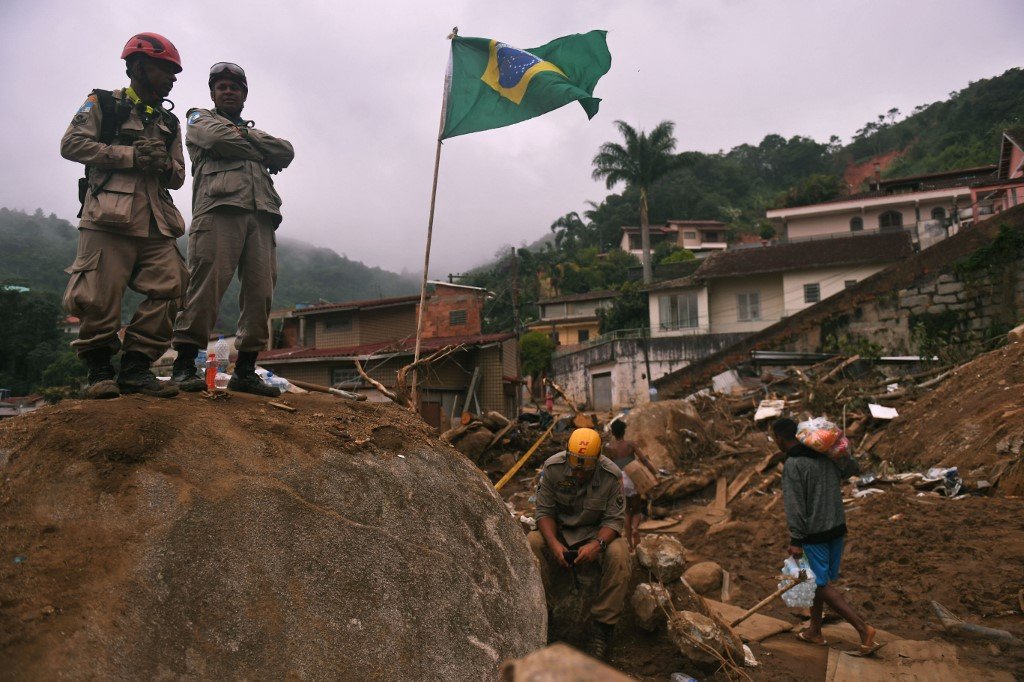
[194, 116]
[618, 500]
[87, 107]
[79, 119]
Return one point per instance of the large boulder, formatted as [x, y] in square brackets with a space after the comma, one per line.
[704, 577]
[704, 640]
[662, 555]
[225, 539]
[652, 604]
[670, 432]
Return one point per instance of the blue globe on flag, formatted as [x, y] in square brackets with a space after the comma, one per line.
[513, 63]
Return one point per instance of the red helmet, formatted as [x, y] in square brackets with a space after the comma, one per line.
[152, 45]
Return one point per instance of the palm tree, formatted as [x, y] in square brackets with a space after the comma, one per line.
[641, 162]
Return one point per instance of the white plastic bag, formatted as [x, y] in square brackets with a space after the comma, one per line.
[801, 596]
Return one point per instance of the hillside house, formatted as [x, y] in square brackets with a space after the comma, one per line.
[744, 291]
[572, 319]
[702, 237]
[1007, 189]
[321, 343]
[930, 207]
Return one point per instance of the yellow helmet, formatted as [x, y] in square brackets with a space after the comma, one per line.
[584, 449]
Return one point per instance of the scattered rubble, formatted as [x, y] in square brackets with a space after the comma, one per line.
[663, 556]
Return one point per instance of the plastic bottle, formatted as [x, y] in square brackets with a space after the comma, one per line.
[201, 361]
[223, 352]
[211, 372]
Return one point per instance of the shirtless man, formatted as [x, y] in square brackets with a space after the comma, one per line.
[622, 452]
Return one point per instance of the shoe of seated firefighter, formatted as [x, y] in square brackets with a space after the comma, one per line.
[245, 379]
[184, 374]
[135, 377]
[600, 641]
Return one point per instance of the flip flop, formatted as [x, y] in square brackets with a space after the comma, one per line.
[865, 650]
[802, 636]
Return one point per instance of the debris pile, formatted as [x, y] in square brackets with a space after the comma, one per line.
[222, 539]
[933, 517]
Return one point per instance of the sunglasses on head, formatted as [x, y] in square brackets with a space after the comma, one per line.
[227, 67]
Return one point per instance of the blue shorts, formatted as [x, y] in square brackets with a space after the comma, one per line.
[824, 558]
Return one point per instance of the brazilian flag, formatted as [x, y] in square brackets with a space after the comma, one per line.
[491, 84]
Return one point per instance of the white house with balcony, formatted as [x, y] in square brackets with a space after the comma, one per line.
[930, 207]
[744, 291]
[702, 237]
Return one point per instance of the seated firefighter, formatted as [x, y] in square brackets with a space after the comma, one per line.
[580, 507]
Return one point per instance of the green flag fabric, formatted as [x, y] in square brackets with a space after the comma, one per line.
[491, 84]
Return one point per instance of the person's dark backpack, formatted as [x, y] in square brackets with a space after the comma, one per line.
[113, 116]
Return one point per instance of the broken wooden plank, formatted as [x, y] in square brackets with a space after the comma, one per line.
[499, 435]
[754, 629]
[522, 460]
[739, 483]
[282, 406]
[954, 625]
[843, 365]
[721, 491]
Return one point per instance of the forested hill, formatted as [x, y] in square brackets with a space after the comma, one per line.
[35, 249]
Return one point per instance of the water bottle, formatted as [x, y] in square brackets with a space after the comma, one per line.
[201, 362]
[223, 352]
[211, 372]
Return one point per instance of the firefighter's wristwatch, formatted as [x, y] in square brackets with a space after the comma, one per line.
[603, 544]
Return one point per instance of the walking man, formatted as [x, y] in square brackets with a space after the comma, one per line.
[580, 507]
[235, 213]
[813, 497]
[131, 148]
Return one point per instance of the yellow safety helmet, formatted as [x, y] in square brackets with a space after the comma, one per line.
[584, 449]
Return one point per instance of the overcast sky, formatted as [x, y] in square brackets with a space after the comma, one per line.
[356, 87]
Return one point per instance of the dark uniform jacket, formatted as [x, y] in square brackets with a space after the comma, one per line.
[580, 512]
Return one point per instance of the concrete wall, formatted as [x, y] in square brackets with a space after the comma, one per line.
[724, 302]
[829, 280]
[626, 361]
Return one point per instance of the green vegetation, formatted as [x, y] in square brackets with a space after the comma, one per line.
[639, 163]
[37, 248]
[34, 352]
[535, 351]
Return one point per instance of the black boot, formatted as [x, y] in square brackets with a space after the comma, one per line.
[183, 373]
[246, 380]
[101, 375]
[135, 377]
[600, 641]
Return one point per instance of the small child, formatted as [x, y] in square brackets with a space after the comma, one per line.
[622, 452]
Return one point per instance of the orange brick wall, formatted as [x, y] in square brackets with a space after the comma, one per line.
[445, 300]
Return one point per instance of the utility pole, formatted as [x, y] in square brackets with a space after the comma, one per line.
[515, 327]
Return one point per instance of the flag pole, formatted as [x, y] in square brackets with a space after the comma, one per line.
[430, 232]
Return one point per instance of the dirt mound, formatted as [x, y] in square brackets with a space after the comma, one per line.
[974, 420]
[670, 432]
[147, 538]
[902, 552]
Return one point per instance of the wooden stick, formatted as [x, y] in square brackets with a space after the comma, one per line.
[282, 406]
[328, 389]
[764, 602]
[522, 460]
[558, 389]
[384, 390]
[499, 435]
[843, 365]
